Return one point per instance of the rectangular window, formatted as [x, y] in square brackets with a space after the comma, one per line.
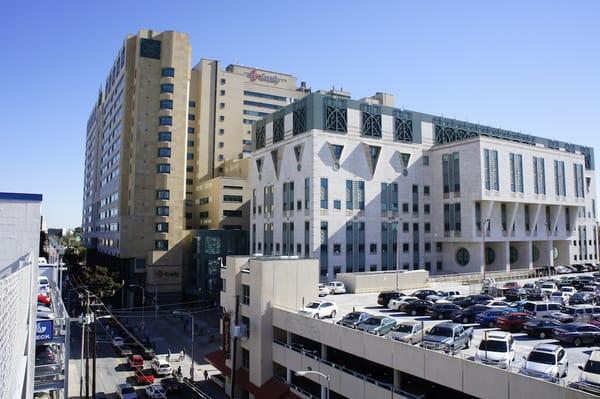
[190, 143]
[451, 172]
[163, 168]
[162, 211]
[161, 227]
[578, 173]
[161, 245]
[337, 204]
[539, 176]
[165, 120]
[527, 220]
[559, 178]
[232, 198]
[245, 294]
[164, 152]
[190, 155]
[167, 72]
[425, 160]
[150, 48]
[307, 193]
[415, 199]
[324, 192]
[264, 95]
[491, 169]
[349, 194]
[478, 215]
[323, 259]
[166, 88]
[162, 194]
[389, 197]
[192, 104]
[504, 217]
[164, 136]
[166, 104]
[262, 105]
[191, 130]
[516, 173]
[191, 117]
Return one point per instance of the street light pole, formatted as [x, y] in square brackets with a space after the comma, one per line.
[311, 371]
[143, 302]
[192, 355]
[155, 303]
[483, 233]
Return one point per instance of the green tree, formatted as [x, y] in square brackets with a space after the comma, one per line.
[98, 279]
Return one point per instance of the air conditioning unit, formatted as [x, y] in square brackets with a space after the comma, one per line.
[239, 331]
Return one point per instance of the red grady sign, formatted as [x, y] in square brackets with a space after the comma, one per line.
[254, 75]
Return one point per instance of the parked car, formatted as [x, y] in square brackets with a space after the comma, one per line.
[467, 315]
[378, 325]
[541, 328]
[126, 391]
[352, 319]
[396, 304]
[423, 294]
[581, 313]
[117, 341]
[442, 296]
[557, 297]
[124, 350]
[535, 294]
[319, 309]
[541, 309]
[448, 336]
[497, 304]
[410, 332]
[473, 300]
[488, 318]
[511, 285]
[582, 298]
[161, 367]
[414, 308]
[171, 385]
[144, 377]
[155, 391]
[384, 297]
[513, 321]
[135, 362]
[44, 299]
[43, 285]
[549, 287]
[546, 361]
[323, 290]
[336, 287]
[568, 291]
[577, 334]
[496, 348]
[589, 380]
[443, 311]
[515, 294]
[562, 270]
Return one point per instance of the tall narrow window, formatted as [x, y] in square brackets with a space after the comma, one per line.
[349, 194]
[503, 217]
[307, 193]
[478, 215]
[451, 172]
[490, 158]
[559, 178]
[539, 176]
[324, 192]
[579, 188]
[527, 217]
[516, 173]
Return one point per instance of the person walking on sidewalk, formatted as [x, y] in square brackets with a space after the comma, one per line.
[205, 375]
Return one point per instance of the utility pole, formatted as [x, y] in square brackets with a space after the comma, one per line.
[87, 349]
[94, 359]
[237, 307]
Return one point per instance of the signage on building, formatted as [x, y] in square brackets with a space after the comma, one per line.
[255, 75]
[226, 335]
[160, 274]
[44, 330]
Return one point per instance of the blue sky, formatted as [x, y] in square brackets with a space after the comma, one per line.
[527, 66]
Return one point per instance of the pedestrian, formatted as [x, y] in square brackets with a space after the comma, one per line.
[205, 375]
[169, 356]
[181, 355]
[179, 371]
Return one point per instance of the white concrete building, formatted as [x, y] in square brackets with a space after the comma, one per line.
[363, 186]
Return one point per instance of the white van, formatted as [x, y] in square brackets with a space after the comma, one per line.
[541, 309]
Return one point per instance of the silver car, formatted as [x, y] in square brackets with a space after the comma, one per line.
[378, 325]
[410, 332]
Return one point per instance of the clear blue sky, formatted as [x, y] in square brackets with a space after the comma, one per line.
[528, 66]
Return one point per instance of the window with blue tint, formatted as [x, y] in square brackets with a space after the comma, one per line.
[166, 88]
[150, 48]
[324, 192]
[164, 152]
[161, 227]
[165, 120]
[164, 136]
[190, 143]
[168, 72]
[163, 168]
[162, 211]
[191, 104]
[262, 105]
[255, 113]
[162, 194]
[337, 204]
[190, 155]
[191, 130]
[161, 245]
[264, 95]
[191, 117]
[166, 104]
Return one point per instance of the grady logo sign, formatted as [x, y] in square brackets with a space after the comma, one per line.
[254, 75]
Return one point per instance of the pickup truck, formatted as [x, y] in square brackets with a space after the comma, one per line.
[447, 336]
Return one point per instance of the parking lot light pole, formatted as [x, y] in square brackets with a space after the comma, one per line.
[192, 355]
[483, 233]
[143, 301]
[308, 370]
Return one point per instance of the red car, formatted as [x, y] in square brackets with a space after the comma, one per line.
[145, 377]
[513, 321]
[44, 299]
[135, 362]
[511, 284]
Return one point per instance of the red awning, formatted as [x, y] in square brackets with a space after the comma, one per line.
[217, 359]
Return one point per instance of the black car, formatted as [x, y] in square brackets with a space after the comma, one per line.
[473, 300]
[443, 311]
[580, 268]
[423, 294]
[582, 298]
[577, 334]
[467, 315]
[386, 296]
[414, 308]
[534, 294]
[541, 328]
[515, 294]
[170, 385]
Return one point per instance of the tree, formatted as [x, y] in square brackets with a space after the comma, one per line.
[98, 279]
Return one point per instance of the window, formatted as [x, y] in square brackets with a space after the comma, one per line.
[191, 130]
[337, 204]
[451, 172]
[245, 294]
[516, 173]
[232, 213]
[371, 120]
[168, 72]
[490, 158]
[426, 190]
[166, 104]
[190, 155]
[405, 207]
[165, 120]
[539, 176]
[150, 48]
[427, 227]
[223, 81]
[221, 144]
[191, 117]
[245, 358]
[452, 218]
[161, 227]
[232, 198]
[164, 136]
[190, 143]
[264, 95]
[189, 181]
[462, 256]
[164, 152]
[337, 249]
[427, 209]
[192, 104]
[162, 194]
[578, 172]
[389, 197]
[324, 192]
[355, 194]
[559, 178]
[163, 168]
[372, 248]
[166, 88]
[307, 193]
[262, 105]
[425, 160]
[221, 118]
[222, 92]
[336, 115]
[162, 211]
[161, 245]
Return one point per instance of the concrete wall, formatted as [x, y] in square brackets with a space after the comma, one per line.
[379, 281]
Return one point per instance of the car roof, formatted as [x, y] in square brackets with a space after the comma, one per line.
[595, 355]
[549, 348]
[408, 322]
[499, 335]
[448, 324]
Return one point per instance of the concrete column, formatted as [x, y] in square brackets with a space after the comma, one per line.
[506, 254]
[529, 255]
[397, 379]
[323, 351]
[482, 257]
[323, 392]
[288, 376]
[288, 338]
[550, 252]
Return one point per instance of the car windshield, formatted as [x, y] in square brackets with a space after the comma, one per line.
[592, 366]
[127, 390]
[373, 321]
[441, 331]
[566, 289]
[352, 316]
[493, 346]
[556, 294]
[541, 357]
[312, 305]
[404, 328]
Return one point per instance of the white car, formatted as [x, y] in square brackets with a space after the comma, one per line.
[568, 292]
[323, 290]
[319, 309]
[589, 380]
[497, 348]
[497, 304]
[161, 367]
[395, 304]
[336, 287]
[118, 341]
[155, 391]
[548, 288]
[546, 361]
[43, 285]
[557, 297]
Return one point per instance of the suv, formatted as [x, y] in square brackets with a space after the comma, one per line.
[546, 361]
[590, 374]
[410, 332]
[126, 391]
[541, 309]
[335, 287]
[319, 309]
[497, 349]
[384, 297]
[448, 336]
[423, 294]
[161, 367]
